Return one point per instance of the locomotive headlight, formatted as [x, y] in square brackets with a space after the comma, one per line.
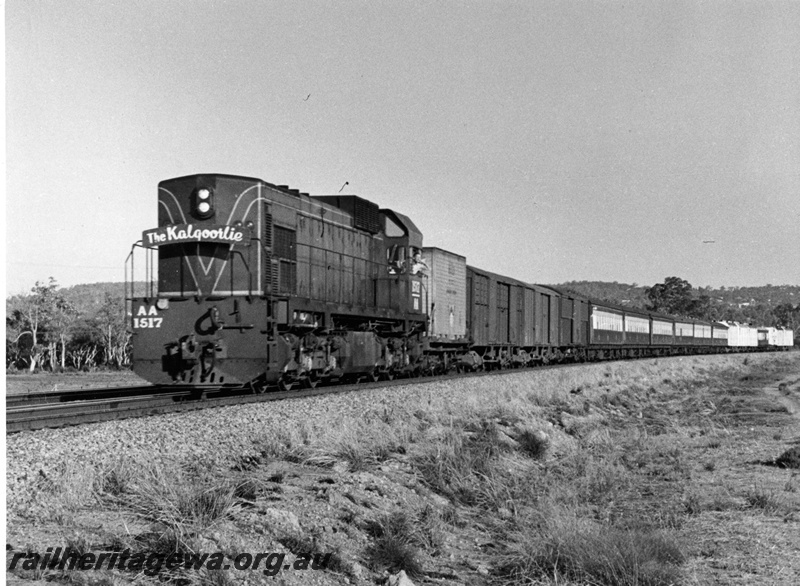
[203, 202]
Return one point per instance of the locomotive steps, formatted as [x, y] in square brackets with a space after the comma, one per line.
[651, 472]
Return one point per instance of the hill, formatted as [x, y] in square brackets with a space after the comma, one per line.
[636, 295]
[771, 305]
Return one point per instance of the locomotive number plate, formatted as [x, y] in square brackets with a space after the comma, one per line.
[147, 318]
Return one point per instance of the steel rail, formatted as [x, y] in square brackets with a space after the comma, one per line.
[96, 393]
[91, 406]
[31, 415]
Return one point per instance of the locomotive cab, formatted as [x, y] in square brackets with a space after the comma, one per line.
[403, 283]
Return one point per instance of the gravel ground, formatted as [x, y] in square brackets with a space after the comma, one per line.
[219, 435]
[214, 436]
[216, 439]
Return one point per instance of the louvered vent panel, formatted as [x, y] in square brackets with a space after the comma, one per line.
[269, 270]
[274, 275]
[268, 231]
[366, 216]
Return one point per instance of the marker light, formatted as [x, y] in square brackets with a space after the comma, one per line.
[203, 203]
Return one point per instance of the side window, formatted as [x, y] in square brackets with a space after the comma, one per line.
[418, 264]
[396, 259]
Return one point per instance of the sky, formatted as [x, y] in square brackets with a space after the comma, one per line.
[548, 141]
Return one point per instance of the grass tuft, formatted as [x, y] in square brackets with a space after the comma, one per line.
[183, 506]
[457, 465]
[393, 548]
[533, 443]
[594, 555]
[766, 500]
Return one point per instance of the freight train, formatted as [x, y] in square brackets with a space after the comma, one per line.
[259, 285]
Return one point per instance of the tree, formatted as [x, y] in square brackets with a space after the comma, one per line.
[787, 316]
[62, 317]
[85, 341]
[112, 323]
[673, 296]
[34, 314]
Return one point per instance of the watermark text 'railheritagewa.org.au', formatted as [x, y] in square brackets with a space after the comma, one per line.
[151, 564]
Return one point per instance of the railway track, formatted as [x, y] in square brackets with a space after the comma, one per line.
[64, 408]
[52, 397]
[61, 409]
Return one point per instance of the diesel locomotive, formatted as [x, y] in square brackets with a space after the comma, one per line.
[254, 284]
[259, 284]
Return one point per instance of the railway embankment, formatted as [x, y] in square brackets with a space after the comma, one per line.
[639, 472]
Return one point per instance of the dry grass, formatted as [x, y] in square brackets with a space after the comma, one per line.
[587, 475]
[395, 544]
[565, 548]
[179, 504]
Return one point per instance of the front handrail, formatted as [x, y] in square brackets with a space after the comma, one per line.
[151, 268]
[149, 276]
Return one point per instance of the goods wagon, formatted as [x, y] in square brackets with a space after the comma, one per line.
[509, 320]
[607, 326]
[662, 330]
[702, 333]
[446, 295]
[719, 334]
[616, 325]
[785, 338]
[767, 337]
[684, 333]
[573, 326]
[637, 328]
[741, 336]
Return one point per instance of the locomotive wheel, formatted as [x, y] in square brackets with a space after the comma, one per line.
[310, 381]
[284, 385]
